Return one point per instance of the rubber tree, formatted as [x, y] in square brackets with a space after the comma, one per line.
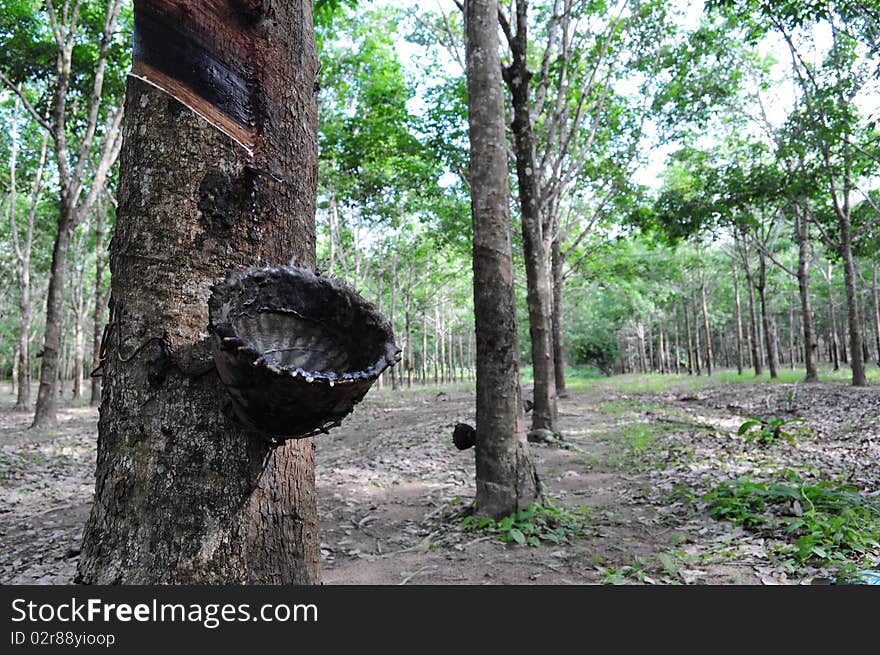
[217, 173]
[539, 293]
[505, 474]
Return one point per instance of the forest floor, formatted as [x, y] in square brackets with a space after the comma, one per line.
[640, 455]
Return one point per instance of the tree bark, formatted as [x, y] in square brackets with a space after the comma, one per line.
[754, 339]
[739, 325]
[539, 296]
[690, 339]
[98, 322]
[706, 326]
[556, 267]
[47, 395]
[506, 479]
[676, 362]
[857, 362]
[832, 319]
[184, 494]
[696, 317]
[802, 232]
[765, 317]
[875, 297]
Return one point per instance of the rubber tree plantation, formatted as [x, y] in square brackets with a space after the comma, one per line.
[487, 291]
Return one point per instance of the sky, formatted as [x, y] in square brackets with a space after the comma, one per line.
[778, 101]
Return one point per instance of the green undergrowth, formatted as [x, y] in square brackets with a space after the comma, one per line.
[638, 445]
[659, 383]
[767, 432]
[822, 522]
[546, 522]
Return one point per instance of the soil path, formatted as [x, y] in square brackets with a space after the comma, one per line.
[639, 456]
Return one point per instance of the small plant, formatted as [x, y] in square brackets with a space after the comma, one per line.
[824, 522]
[616, 576]
[767, 432]
[538, 522]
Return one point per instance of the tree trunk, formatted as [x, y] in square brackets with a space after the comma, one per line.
[739, 325]
[706, 326]
[47, 396]
[424, 361]
[436, 343]
[441, 334]
[832, 319]
[875, 297]
[676, 362]
[556, 267]
[79, 317]
[184, 494]
[505, 475]
[802, 231]
[696, 315]
[539, 296]
[765, 317]
[392, 308]
[857, 362]
[643, 357]
[98, 323]
[754, 340]
[690, 339]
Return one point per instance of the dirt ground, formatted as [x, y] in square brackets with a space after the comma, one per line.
[639, 455]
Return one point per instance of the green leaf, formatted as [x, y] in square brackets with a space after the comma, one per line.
[745, 427]
[517, 536]
[819, 552]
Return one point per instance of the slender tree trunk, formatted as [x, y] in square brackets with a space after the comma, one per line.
[47, 396]
[738, 319]
[539, 296]
[754, 338]
[424, 346]
[505, 475]
[690, 339]
[441, 334]
[184, 494]
[832, 319]
[857, 363]
[706, 326]
[556, 266]
[436, 344]
[802, 231]
[332, 219]
[676, 362]
[661, 351]
[79, 317]
[791, 331]
[696, 324]
[98, 322]
[765, 316]
[393, 307]
[875, 297]
[643, 358]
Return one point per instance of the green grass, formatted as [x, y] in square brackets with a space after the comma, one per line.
[587, 379]
[546, 522]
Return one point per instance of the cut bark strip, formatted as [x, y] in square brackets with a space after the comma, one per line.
[204, 55]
